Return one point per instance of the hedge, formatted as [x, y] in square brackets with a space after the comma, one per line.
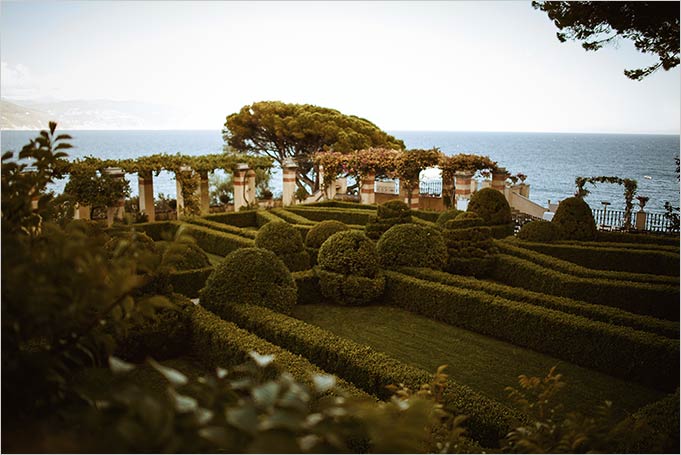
[657, 300]
[428, 215]
[625, 237]
[500, 231]
[631, 354]
[343, 205]
[347, 216]
[218, 343]
[190, 282]
[262, 217]
[520, 250]
[307, 283]
[216, 242]
[222, 227]
[634, 246]
[662, 417]
[291, 217]
[612, 259]
[160, 230]
[601, 313]
[245, 218]
[372, 371]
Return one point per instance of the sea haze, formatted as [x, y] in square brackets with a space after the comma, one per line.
[550, 160]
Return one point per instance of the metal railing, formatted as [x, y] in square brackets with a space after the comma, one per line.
[430, 188]
[613, 220]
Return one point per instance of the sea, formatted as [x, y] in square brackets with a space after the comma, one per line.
[551, 161]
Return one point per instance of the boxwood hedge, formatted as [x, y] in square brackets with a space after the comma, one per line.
[222, 227]
[216, 242]
[631, 354]
[190, 282]
[244, 218]
[626, 237]
[346, 215]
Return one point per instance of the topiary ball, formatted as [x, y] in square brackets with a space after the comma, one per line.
[465, 220]
[286, 242]
[253, 276]
[539, 231]
[446, 216]
[491, 206]
[322, 231]
[412, 245]
[393, 209]
[575, 219]
[349, 253]
[185, 256]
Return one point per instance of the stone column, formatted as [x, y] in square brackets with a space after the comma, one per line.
[249, 188]
[366, 190]
[118, 210]
[414, 196]
[178, 190]
[342, 185]
[289, 184]
[204, 196]
[145, 183]
[239, 186]
[462, 182]
[485, 184]
[474, 185]
[330, 188]
[641, 220]
[499, 179]
[82, 212]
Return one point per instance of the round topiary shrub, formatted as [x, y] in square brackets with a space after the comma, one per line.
[539, 231]
[446, 216]
[491, 206]
[575, 219]
[412, 245]
[185, 256]
[349, 272]
[393, 209]
[131, 243]
[253, 276]
[322, 231]
[286, 242]
[465, 220]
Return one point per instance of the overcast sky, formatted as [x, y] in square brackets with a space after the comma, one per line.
[452, 66]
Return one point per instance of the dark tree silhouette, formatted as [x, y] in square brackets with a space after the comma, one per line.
[652, 26]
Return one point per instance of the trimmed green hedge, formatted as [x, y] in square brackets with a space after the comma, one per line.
[307, 283]
[222, 227]
[657, 300]
[520, 249]
[285, 241]
[625, 237]
[372, 371]
[216, 242]
[262, 217]
[575, 219]
[412, 245]
[244, 218]
[613, 259]
[491, 205]
[539, 231]
[190, 282]
[347, 216]
[601, 313]
[160, 230]
[621, 351]
[500, 231]
[322, 231]
[291, 217]
[343, 205]
[218, 343]
[662, 417]
[633, 246]
[427, 215]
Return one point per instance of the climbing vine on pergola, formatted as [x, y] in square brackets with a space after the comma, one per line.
[630, 188]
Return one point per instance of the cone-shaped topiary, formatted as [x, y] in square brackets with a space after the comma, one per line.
[412, 245]
[575, 219]
[539, 231]
[322, 231]
[348, 271]
[491, 206]
[254, 276]
[286, 242]
[446, 216]
[185, 256]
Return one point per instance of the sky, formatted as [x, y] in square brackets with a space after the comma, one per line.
[431, 66]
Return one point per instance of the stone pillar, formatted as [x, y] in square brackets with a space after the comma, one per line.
[330, 188]
[524, 189]
[366, 190]
[82, 212]
[414, 196]
[474, 185]
[239, 186]
[462, 181]
[448, 192]
[342, 185]
[641, 220]
[485, 184]
[203, 193]
[145, 183]
[289, 185]
[499, 179]
[178, 190]
[118, 210]
[249, 187]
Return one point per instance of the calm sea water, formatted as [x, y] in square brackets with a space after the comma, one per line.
[550, 160]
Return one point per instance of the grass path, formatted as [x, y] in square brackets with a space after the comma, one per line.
[480, 362]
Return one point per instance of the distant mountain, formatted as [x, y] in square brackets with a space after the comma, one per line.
[88, 115]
